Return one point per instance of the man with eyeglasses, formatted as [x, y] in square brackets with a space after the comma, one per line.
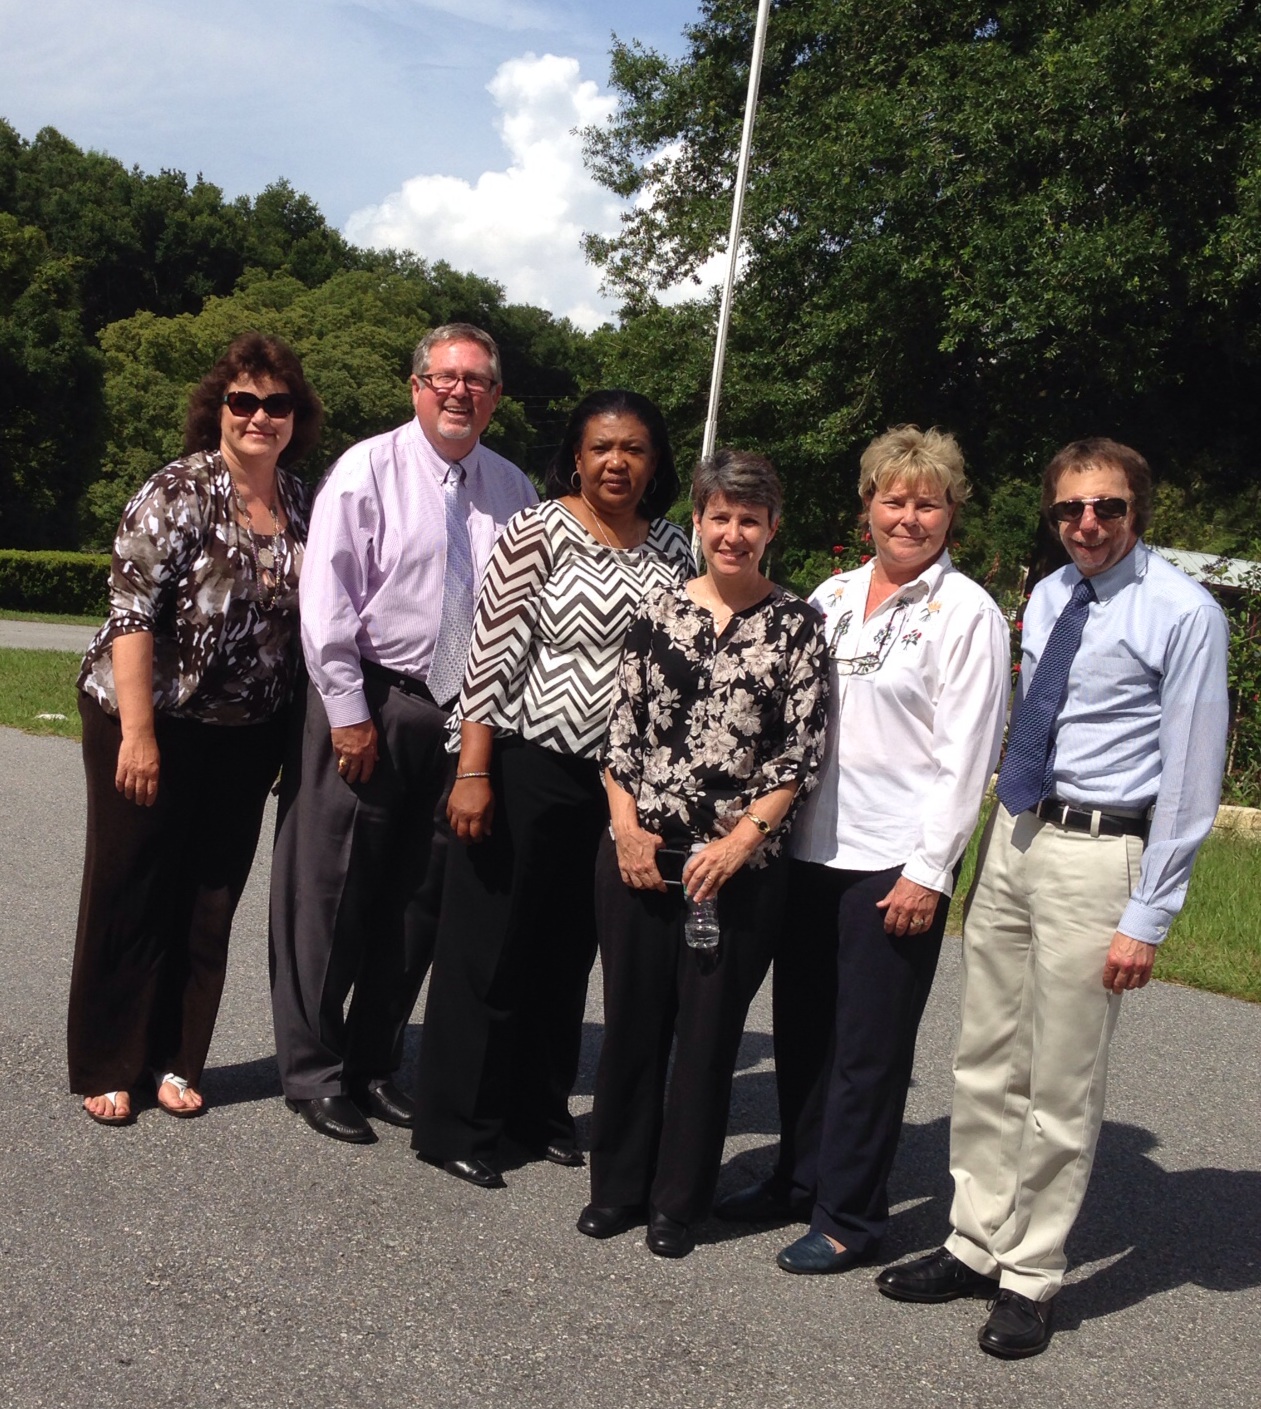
[1109, 784]
[401, 532]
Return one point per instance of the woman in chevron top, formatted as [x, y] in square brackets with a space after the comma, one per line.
[503, 1022]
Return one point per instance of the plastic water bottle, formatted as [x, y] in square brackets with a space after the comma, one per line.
[700, 927]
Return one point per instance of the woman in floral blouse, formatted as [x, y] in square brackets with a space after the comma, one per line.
[716, 731]
[182, 696]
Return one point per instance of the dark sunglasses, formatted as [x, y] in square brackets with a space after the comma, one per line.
[1070, 510]
[244, 403]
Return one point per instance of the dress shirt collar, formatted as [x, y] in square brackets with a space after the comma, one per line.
[1132, 568]
[924, 585]
[438, 464]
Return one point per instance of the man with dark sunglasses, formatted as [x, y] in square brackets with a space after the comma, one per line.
[401, 532]
[1109, 784]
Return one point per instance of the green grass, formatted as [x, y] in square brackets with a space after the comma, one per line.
[1215, 943]
[7, 615]
[40, 682]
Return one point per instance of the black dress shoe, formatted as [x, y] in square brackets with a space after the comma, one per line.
[598, 1222]
[565, 1155]
[938, 1276]
[382, 1099]
[475, 1171]
[335, 1116]
[813, 1253]
[667, 1237]
[761, 1203]
[1017, 1327]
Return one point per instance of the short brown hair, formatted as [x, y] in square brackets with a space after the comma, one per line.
[253, 355]
[1098, 452]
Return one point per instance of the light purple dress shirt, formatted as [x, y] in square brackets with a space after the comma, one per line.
[376, 557]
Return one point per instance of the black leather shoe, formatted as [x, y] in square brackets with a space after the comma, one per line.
[761, 1203]
[475, 1171]
[565, 1155]
[337, 1117]
[814, 1253]
[382, 1099]
[597, 1222]
[1017, 1327]
[667, 1237]
[938, 1276]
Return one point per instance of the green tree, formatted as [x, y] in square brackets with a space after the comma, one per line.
[1026, 222]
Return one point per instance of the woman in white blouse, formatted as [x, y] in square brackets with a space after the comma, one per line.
[920, 663]
[516, 941]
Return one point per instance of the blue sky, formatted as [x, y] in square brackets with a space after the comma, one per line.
[435, 124]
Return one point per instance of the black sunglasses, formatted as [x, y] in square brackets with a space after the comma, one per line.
[244, 403]
[1070, 510]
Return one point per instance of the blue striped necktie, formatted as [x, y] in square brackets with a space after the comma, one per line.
[455, 630]
[1027, 774]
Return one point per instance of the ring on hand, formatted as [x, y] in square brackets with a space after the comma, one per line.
[343, 763]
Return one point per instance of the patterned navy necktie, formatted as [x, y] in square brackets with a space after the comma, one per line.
[455, 630]
[1026, 776]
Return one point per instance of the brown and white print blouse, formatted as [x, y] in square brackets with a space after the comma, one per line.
[185, 570]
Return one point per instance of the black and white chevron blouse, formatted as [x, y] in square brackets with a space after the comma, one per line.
[553, 609]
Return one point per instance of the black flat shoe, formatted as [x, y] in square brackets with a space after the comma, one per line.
[814, 1254]
[761, 1203]
[667, 1237]
[475, 1171]
[1017, 1327]
[383, 1100]
[565, 1155]
[597, 1222]
[335, 1116]
[937, 1276]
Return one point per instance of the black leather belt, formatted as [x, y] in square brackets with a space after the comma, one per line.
[1111, 824]
[408, 684]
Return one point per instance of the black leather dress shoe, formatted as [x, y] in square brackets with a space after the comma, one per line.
[382, 1099]
[335, 1116]
[667, 1237]
[475, 1171]
[1017, 1327]
[813, 1253]
[938, 1276]
[565, 1155]
[761, 1203]
[598, 1222]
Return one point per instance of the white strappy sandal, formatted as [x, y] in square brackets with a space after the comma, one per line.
[169, 1078]
[115, 1119]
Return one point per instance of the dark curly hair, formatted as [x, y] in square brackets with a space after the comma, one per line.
[253, 355]
[663, 489]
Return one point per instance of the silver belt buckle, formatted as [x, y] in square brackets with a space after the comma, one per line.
[1064, 811]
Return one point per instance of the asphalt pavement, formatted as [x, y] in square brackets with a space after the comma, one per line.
[46, 635]
[241, 1260]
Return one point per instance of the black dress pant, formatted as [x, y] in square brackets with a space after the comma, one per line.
[356, 885]
[503, 1020]
[848, 999]
[160, 887]
[658, 1130]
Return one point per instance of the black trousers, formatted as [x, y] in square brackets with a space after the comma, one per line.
[848, 999]
[160, 887]
[503, 1020]
[658, 1129]
[356, 886]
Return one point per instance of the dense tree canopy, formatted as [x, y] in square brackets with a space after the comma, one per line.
[119, 289]
[1026, 222]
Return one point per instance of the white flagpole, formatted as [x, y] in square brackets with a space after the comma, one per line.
[710, 437]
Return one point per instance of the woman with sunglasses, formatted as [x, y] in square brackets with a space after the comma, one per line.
[183, 695]
[920, 671]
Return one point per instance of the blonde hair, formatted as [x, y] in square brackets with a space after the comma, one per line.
[918, 459]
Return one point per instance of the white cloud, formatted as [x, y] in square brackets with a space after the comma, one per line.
[521, 226]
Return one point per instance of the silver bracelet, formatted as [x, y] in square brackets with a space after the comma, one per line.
[459, 777]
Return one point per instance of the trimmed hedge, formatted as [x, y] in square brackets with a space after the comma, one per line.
[76, 584]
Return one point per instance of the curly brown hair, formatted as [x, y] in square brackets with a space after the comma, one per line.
[254, 355]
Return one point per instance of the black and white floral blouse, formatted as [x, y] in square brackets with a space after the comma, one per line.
[702, 724]
[184, 570]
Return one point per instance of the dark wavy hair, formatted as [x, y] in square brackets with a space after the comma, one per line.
[1098, 452]
[253, 355]
[663, 489]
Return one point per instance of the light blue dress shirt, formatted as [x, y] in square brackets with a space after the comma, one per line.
[1144, 716]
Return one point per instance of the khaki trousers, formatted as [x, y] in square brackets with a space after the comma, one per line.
[1031, 1067]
